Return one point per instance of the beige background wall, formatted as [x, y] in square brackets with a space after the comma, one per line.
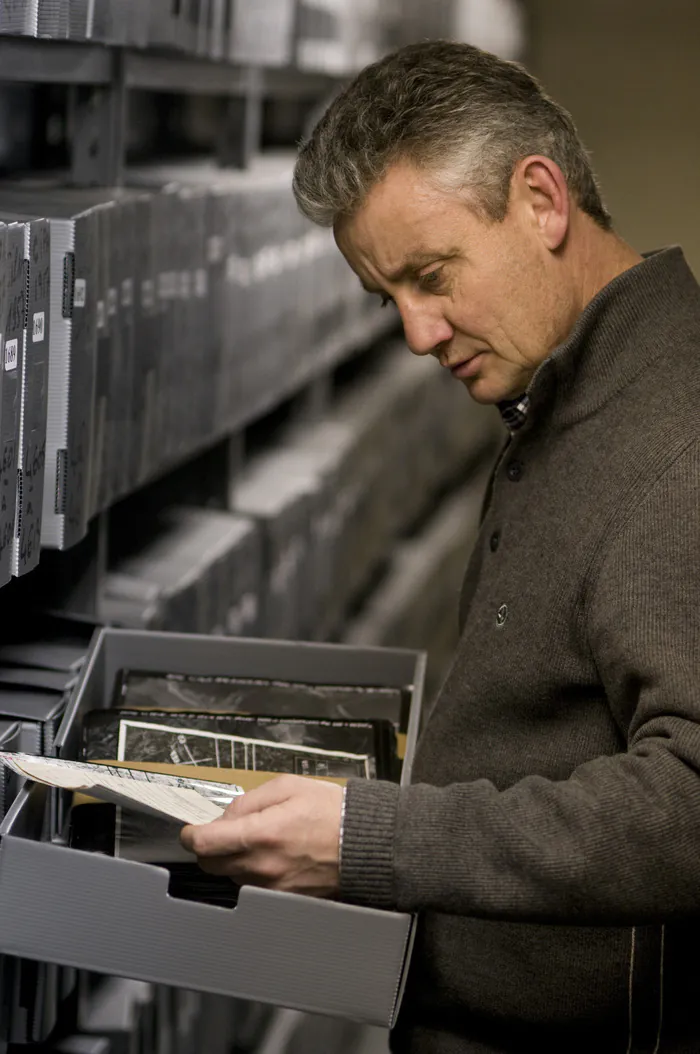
[629, 71]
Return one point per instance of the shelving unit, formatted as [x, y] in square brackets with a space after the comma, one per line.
[100, 79]
[102, 76]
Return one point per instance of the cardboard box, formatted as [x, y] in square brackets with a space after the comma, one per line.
[115, 916]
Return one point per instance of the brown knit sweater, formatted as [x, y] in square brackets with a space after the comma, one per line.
[551, 837]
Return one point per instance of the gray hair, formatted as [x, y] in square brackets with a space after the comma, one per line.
[459, 112]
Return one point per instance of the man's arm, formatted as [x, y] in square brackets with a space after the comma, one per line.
[620, 839]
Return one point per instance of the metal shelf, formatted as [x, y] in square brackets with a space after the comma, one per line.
[32, 60]
[180, 73]
[289, 83]
[38, 61]
[100, 78]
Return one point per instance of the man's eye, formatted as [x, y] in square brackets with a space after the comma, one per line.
[431, 280]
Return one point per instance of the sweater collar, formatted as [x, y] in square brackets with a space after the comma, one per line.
[630, 323]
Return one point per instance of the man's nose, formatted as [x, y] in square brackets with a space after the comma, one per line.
[425, 330]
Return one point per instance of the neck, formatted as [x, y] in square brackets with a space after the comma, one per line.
[600, 257]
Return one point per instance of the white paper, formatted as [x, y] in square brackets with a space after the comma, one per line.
[172, 803]
[173, 797]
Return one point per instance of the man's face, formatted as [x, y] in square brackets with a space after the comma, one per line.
[485, 298]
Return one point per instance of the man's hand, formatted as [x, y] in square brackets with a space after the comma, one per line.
[284, 835]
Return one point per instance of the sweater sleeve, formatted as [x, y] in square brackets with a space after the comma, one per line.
[617, 842]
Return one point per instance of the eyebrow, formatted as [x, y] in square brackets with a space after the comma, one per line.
[412, 263]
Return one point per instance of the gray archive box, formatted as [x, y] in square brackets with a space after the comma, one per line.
[210, 194]
[39, 712]
[10, 739]
[119, 214]
[115, 916]
[29, 242]
[34, 18]
[71, 377]
[35, 394]
[114, 213]
[201, 573]
[9, 418]
[218, 14]
[71, 372]
[122, 224]
[281, 503]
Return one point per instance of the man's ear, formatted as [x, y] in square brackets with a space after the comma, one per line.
[540, 188]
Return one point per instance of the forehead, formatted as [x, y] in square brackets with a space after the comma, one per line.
[406, 218]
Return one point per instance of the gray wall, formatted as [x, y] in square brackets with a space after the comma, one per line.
[629, 71]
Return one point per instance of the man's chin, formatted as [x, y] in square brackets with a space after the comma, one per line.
[483, 391]
[490, 390]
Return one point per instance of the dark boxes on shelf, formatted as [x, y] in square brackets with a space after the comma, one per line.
[26, 358]
[281, 504]
[199, 573]
[281, 949]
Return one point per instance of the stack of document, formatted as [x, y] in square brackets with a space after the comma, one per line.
[281, 504]
[199, 572]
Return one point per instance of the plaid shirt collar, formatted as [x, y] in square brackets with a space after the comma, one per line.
[514, 412]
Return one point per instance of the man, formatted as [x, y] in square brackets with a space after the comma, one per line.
[551, 838]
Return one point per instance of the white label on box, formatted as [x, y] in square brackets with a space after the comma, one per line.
[80, 294]
[238, 270]
[200, 282]
[101, 314]
[167, 285]
[215, 249]
[112, 301]
[243, 615]
[11, 354]
[127, 292]
[38, 327]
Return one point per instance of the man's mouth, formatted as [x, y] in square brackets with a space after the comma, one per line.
[467, 367]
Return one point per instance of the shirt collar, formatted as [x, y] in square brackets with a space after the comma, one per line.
[632, 321]
[514, 412]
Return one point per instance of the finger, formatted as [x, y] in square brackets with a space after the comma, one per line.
[274, 792]
[186, 836]
[231, 834]
[214, 839]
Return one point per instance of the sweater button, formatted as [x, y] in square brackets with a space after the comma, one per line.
[495, 541]
[514, 471]
[502, 615]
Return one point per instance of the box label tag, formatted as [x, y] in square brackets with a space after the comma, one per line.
[80, 294]
[11, 354]
[38, 326]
